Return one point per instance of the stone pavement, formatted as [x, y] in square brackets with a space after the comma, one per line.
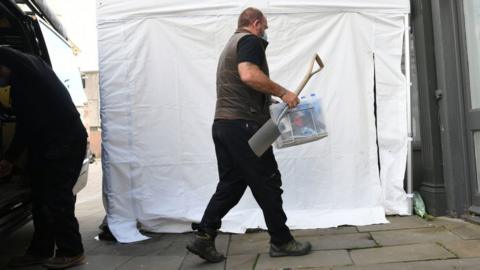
[405, 243]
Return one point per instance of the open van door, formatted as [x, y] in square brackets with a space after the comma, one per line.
[16, 31]
[25, 26]
[62, 63]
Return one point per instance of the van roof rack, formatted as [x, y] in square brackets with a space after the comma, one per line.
[40, 8]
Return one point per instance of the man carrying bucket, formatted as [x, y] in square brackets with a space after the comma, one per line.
[243, 98]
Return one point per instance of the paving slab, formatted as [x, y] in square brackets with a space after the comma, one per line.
[91, 221]
[462, 228]
[104, 262]
[90, 244]
[91, 263]
[153, 263]
[94, 207]
[416, 252]
[119, 249]
[249, 243]
[241, 262]
[455, 264]
[192, 261]
[159, 245]
[172, 245]
[340, 241]
[447, 222]
[326, 231]
[463, 248]
[89, 231]
[467, 232]
[403, 237]
[314, 259]
[397, 223]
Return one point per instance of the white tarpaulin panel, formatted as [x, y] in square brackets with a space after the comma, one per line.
[158, 95]
[391, 112]
[111, 10]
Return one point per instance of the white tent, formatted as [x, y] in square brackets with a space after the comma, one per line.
[157, 79]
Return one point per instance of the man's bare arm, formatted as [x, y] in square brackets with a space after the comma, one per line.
[254, 77]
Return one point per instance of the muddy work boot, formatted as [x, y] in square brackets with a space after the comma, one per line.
[292, 248]
[203, 245]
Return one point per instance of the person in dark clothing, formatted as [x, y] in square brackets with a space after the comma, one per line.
[243, 98]
[48, 126]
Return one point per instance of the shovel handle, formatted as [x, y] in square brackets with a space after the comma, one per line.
[305, 80]
[310, 73]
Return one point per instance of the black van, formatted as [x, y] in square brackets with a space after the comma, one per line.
[29, 26]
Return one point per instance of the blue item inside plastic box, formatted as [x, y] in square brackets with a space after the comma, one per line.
[302, 124]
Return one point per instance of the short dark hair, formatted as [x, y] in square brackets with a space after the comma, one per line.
[248, 16]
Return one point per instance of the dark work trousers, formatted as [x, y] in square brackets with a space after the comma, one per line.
[54, 171]
[239, 167]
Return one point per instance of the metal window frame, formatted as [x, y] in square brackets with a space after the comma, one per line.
[463, 51]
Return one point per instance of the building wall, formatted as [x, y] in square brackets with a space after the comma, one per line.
[445, 177]
[91, 82]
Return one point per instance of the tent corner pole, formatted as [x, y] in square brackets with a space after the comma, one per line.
[409, 115]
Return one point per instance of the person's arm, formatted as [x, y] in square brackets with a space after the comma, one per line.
[254, 77]
[250, 56]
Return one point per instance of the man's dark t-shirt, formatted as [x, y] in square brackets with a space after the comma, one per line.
[251, 49]
[44, 109]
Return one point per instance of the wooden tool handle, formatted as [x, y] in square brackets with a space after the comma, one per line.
[304, 82]
[310, 73]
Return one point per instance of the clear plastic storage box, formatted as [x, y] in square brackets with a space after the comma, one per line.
[302, 124]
